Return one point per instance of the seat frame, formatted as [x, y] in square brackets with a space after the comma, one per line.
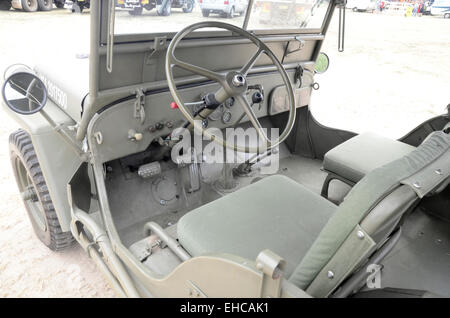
[330, 177]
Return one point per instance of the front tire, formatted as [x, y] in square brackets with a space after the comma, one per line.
[355, 9]
[447, 16]
[34, 191]
[45, 5]
[29, 5]
[5, 5]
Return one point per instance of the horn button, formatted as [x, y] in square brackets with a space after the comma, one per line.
[238, 80]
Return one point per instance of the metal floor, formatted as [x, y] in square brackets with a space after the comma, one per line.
[133, 203]
[421, 258]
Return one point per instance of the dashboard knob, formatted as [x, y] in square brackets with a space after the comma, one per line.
[135, 136]
[257, 98]
[138, 136]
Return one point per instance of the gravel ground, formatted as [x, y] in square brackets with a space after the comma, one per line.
[394, 74]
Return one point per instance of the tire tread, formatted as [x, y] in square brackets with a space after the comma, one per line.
[21, 140]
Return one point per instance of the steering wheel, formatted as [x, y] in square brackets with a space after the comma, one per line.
[233, 84]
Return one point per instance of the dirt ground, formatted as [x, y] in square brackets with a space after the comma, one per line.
[394, 74]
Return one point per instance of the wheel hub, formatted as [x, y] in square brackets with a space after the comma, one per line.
[29, 194]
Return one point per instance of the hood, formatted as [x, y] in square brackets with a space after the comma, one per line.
[67, 82]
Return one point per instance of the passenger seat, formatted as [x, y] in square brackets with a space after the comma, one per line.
[352, 160]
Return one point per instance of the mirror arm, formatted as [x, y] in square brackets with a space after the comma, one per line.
[58, 128]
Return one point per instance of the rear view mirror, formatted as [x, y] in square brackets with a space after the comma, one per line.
[322, 63]
[24, 93]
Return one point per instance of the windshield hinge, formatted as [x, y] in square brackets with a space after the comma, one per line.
[139, 112]
[158, 44]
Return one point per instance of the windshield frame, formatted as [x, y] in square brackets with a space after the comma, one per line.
[149, 37]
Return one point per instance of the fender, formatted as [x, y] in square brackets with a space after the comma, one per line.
[57, 159]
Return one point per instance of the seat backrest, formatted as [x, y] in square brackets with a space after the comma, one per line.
[369, 212]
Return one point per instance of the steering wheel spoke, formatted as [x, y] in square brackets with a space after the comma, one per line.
[214, 76]
[247, 67]
[253, 119]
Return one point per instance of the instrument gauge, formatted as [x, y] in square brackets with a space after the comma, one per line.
[226, 117]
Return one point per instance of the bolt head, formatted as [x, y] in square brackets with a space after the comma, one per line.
[330, 274]
[360, 234]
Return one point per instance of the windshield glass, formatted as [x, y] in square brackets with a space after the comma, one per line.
[161, 16]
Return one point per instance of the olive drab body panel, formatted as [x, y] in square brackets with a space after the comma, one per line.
[187, 162]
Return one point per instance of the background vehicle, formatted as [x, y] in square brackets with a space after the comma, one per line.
[441, 7]
[361, 5]
[226, 8]
[163, 7]
[31, 5]
[285, 12]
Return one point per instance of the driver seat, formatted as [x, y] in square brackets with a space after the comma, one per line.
[322, 243]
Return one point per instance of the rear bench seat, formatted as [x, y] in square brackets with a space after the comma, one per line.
[352, 160]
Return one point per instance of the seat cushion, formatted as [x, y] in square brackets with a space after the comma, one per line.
[275, 213]
[361, 154]
[363, 198]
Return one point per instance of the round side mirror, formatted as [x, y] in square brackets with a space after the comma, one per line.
[322, 63]
[24, 93]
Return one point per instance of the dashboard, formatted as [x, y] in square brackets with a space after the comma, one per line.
[122, 129]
